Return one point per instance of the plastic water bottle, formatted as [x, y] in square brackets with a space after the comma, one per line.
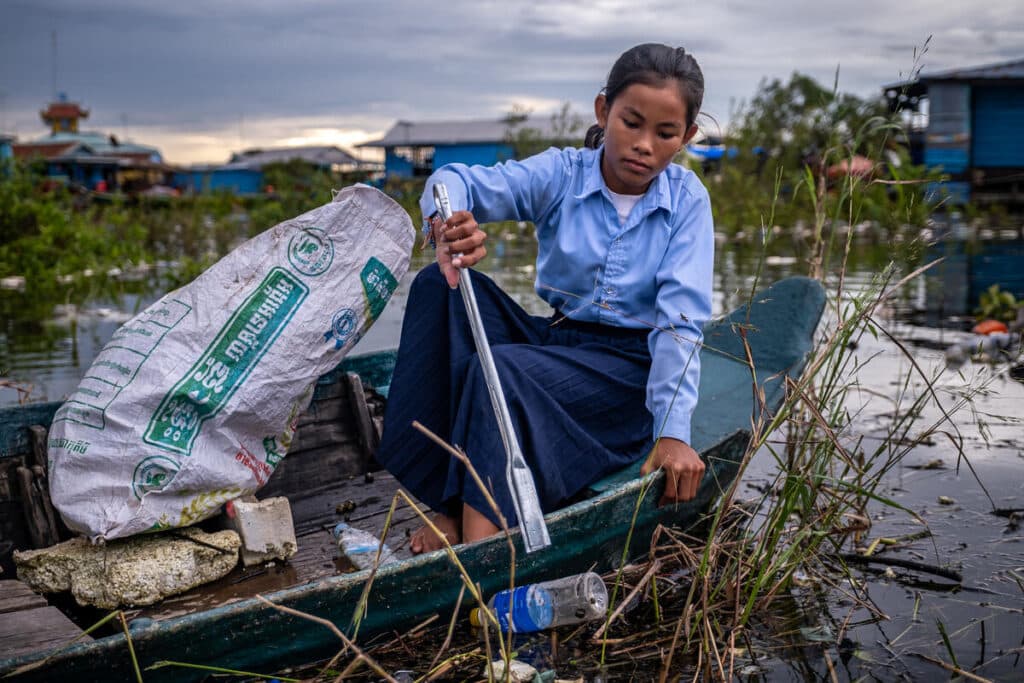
[360, 547]
[539, 606]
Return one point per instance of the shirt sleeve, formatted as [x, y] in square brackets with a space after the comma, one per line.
[683, 305]
[509, 191]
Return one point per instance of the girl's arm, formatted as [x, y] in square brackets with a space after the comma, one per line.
[683, 306]
[515, 190]
[510, 191]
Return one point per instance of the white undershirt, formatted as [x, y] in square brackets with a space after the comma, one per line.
[623, 204]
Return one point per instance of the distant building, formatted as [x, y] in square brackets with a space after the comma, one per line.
[416, 148]
[98, 162]
[6, 150]
[243, 174]
[95, 161]
[967, 122]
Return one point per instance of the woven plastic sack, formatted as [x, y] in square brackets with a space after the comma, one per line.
[194, 401]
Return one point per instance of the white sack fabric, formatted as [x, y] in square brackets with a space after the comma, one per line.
[194, 401]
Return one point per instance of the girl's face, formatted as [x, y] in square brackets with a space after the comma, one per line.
[644, 128]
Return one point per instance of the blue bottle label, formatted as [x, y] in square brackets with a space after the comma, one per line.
[531, 609]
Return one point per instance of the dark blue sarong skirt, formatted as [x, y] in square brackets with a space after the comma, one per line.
[575, 392]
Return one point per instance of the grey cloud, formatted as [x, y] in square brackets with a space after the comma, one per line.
[199, 65]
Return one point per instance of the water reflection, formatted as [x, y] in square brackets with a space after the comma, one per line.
[46, 346]
[967, 269]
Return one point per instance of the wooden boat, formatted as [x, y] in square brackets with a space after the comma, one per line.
[327, 477]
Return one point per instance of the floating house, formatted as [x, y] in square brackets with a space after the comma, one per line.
[414, 149]
[94, 161]
[967, 122]
[243, 174]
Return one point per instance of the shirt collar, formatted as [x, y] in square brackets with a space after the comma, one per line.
[658, 195]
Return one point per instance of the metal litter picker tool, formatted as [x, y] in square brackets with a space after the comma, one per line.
[520, 479]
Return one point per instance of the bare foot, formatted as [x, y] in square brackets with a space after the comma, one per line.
[424, 540]
[475, 526]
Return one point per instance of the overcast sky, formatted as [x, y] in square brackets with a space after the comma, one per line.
[200, 79]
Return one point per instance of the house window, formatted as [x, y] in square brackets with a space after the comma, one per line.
[420, 158]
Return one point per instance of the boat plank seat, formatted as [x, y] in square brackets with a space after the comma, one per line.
[29, 623]
[15, 596]
[361, 501]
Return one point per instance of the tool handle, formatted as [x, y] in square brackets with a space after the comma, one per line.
[520, 479]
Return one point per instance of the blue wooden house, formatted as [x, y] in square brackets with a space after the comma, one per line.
[91, 160]
[413, 149]
[243, 174]
[6, 151]
[968, 122]
[95, 160]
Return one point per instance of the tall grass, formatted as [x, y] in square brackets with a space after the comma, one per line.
[825, 474]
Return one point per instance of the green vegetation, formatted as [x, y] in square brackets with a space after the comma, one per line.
[802, 148]
[64, 243]
[567, 130]
[996, 304]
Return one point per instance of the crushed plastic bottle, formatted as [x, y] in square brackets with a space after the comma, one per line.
[360, 547]
[539, 606]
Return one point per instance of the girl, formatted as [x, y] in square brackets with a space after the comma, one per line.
[625, 253]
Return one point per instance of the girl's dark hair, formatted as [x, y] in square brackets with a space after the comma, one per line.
[653, 64]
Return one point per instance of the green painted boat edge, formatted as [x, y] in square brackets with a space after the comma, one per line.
[582, 537]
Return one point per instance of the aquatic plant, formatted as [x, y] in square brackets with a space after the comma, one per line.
[997, 304]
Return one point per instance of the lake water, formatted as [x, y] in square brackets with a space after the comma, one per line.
[43, 356]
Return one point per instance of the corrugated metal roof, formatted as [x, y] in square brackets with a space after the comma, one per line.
[1013, 70]
[319, 155]
[30, 150]
[463, 132]
[98, 142]
[1008, 70]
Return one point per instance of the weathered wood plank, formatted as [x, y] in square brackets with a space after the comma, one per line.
[40, 468]
[36, 629]
[16, 596]
[365, 429]
[301, 472]
[357, 501]
[323, 434]
[326, 390]
[32, 508]
[331, 409]
[37, 437]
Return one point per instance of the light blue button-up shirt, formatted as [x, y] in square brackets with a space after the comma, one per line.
[653, 272]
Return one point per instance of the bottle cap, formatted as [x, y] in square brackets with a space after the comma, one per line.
[474, 617]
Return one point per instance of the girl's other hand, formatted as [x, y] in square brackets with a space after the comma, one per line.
[683, 469]
[460, 244]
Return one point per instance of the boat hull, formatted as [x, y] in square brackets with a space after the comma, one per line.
[774, 330]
